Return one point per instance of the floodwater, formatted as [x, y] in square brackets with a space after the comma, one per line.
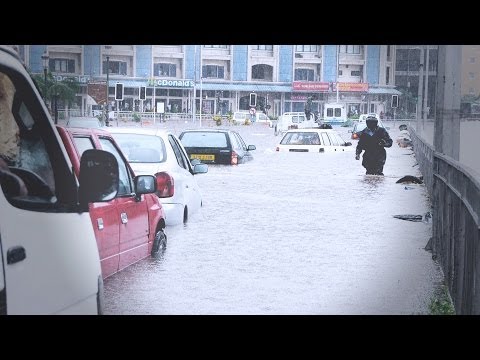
[294, 233]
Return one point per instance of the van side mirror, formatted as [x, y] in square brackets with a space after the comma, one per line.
[98, 177]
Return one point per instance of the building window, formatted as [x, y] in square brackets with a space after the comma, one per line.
[340, 72]
[165, 69]
[350, 49]
[387, 75]
[472, 91]
[62, 65]
[307, 48]
[472, 60]
[175, 92]
[262, 72]
[263, 47]
[388, 53]
[355, 73]
[216, 46]
[129, 91]
[115, 67]
[471, 75]
[304, 75]
[213, 71]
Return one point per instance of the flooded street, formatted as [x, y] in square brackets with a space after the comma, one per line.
[291, 233]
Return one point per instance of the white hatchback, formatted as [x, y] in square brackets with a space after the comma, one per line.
[294, 120]
[160, 153]
[313, 140]
[239, 117]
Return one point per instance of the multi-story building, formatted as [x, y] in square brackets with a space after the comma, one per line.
[407, 75]
[470, 70]
[223, 76]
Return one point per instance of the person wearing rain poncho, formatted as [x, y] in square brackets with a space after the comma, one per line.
[373, 139]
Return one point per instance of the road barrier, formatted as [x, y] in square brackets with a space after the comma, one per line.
[456, 223]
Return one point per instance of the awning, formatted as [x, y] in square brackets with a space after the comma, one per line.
[384, 91]
[246, 87]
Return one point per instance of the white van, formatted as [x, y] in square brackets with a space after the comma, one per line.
[293, 120]
[334, 113]
[49, 261]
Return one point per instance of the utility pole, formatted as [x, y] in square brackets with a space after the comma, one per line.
[194, 104]
[420, 91]
[338, 66]
[425, 101]
[446, 139]
[107, 104]
[201, 85]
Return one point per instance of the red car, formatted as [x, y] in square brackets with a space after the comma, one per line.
[131, 226]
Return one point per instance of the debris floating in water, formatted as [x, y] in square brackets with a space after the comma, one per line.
[409, 217]
[409, 179]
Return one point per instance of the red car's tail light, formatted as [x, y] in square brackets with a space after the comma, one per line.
[234, 159]
[165, 185]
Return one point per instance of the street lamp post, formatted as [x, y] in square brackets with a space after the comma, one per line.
[45, 59]
[107, 103]
[56, 103]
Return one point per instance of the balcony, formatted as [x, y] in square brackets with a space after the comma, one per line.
[352, 59]
[168, 51]
[69, 49]
[126, 50]
[216, 53]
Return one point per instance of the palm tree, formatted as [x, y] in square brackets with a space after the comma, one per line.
[53, 90]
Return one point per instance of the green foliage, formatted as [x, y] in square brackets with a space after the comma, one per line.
[136, 117]
[65, 90]
[441, 304]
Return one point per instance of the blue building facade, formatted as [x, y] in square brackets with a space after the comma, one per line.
[282, 76]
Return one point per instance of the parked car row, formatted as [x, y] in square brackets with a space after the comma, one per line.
[72, 209]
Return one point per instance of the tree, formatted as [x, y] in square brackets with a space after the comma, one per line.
[64, 90]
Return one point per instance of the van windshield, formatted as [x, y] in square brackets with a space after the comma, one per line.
[29, 175]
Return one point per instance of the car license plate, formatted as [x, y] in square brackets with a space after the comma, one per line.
[203, 157]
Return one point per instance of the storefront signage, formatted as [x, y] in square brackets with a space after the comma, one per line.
[83, 79]
[171, 83]
[310, 86]
[344, 86]
[298, 97]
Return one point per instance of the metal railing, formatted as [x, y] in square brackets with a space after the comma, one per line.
[456, 223]
[424, 153]
[456, 231]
